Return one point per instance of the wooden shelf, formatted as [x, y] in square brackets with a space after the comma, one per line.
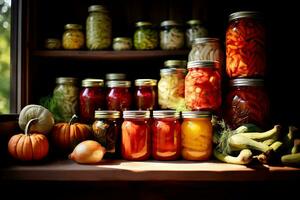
[111, 55]
[120, 170]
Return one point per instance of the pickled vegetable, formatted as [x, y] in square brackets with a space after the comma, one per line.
[195, 30]
[145, 94]
[118, 95]
[122, 43]
[73, 37]
[52, 43]
[145, 37]
[203, 89]
[98, 28]
[245, 47]
[171, 36]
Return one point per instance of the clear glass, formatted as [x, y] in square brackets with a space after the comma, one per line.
[145, 38]
[193, 31]
[145, 97]
[118, 98]
[172, 37]
[73, 37]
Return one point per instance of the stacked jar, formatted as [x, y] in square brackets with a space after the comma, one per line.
[145, 94]
[118, 95]
[247, 101]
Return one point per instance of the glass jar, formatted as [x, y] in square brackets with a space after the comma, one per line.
[171, 88]
[122, 43]
[66, 95]
[98, 28]
[245, 45]
[118, 95]
[247, 102]
[73, 37]
[145, 94]
[175, 64]
[166, 138]
[203, 86]
[145, 36]
[207, 49]
[106, 129]
[197, 135]
[194, 30]
[171, 35]
[136, 135]
[92, 97]
[52, 43]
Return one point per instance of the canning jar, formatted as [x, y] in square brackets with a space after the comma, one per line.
[118, 95]
[106, 129]
[145, 94]
[247, 102]
[145, 36]
[92, 97]
[122, 43]
[166, 137]
[203, 86]
[195, 29]
[171, 35]
[65, 95]
[207, 49]
[197, 135]
[98, 28]
[52, 43]
[73, 37]
[175, 64]
[245, 45]
[115, 77]
[136, 135]
[171, 88]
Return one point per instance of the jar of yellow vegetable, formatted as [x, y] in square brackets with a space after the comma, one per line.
[73, 37]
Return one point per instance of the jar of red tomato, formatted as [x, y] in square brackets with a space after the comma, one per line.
[166, 138]
[203, 86]
[136, 135]
[245, 45]
[145, 94]
[92, 97]
[247, 102]
[118, 95]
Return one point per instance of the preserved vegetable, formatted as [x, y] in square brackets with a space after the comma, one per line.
[122, 43]
[145, 94]
[171, 35]
[195, 30]
[118, 95]
[73, 37]
[145, 36]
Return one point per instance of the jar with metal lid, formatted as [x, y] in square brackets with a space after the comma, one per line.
[115, 77]
[98, 28]
[171, 88]
[52, 43]
[203, 86]
[171, 35]
[66, 94]
[92, 97]
[73, 37]
[247, 102]
[136, 135]
[145, 36]
[245, 45]
[166, 135]
[106, 130]
[194, 30]
[145, 94]
[122, 43]
[175, 64]
[118, 95]
[207, 49]
[197, 135]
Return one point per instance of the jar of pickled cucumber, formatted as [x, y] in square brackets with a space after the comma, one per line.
[171, 35]
[175, 64]
[66, 96]
[145, 36]
[194, 30]
[98, 28]
[73, 37]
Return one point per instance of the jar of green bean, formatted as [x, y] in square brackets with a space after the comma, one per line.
[171, 35]
[98, 28]
[145, 36]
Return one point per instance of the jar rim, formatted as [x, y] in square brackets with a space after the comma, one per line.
[200, 40]
[118, 83]
[122, 39]
[196, 114]
[170, 23]
[166, 113]
[92, 82]
[115, 76]
[99, 114]
[136, 114]
[194, 22]
[143, 23]
[203, 63]
[73, 26]
[172, 71]
[247, 82]
[66, 80]
[243, 14]
[175, 63]
[145, 82]
[99, 8]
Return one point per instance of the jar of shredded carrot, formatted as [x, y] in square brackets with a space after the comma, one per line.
[245, 45]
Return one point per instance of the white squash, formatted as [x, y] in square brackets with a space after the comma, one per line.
[44, 118]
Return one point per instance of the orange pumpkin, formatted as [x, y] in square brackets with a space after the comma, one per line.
[28, 146]
[66, 136]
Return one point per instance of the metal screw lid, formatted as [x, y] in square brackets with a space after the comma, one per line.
[242, 14]
[115, 76]
[175, 63]
[166, 71]
[194, 22]
[170, 23]
[66, 80]
[196, 114]
[145, 82]
[90, 82]
[73, 26]
[205, 40]
[143, 23]
[106, 114]
[136, 114]
[246, 82]
[99, 8]
[166, 113]
[118, 84]
[203, 63]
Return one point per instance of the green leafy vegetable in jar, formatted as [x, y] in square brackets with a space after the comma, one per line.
[171, 35]
[73, 37]
[145, 36]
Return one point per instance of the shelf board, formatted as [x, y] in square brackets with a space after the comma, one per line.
[110, 55]
[120, 170]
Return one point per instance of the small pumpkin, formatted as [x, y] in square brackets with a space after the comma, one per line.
[44, 122]
[67, 135]
[28, 146]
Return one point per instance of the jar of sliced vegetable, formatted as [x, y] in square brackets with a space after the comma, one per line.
[73, 37]
[171, 35]
[245, 45]
[145, 36]
[194, 30]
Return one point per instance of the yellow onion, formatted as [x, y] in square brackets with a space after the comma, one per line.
[87, 152]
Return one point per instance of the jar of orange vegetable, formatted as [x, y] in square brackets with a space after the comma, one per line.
[247, 102]
[136, 129]
[203, 86]
[166, 139]
[245, 45]
[196, 134]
